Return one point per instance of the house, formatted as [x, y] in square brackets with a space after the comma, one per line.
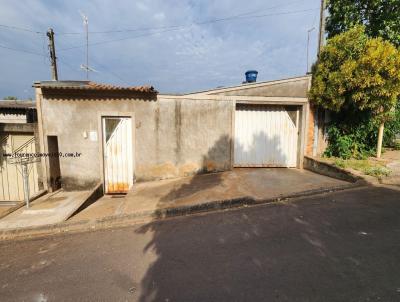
[118, 135]
[17, 111]
[18, 133]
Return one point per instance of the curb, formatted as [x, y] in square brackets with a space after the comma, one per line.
[158, 214]
[324, 168]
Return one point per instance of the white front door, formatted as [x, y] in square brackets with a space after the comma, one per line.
[118, 154]
[265, 136]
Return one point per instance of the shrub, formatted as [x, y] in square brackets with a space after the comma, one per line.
[353, 133]
[377, 171]
[357, 74]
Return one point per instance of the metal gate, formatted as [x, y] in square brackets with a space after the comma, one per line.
[118, 154]
[11, 180]
[266, 136]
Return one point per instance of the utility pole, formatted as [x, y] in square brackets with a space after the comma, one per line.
[53, 58]
[308, 48]
[321, 39]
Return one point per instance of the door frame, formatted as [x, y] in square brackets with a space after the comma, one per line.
[115, 114]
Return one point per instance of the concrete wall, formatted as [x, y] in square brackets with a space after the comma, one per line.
[173, 137]
[288, 89]
[295, 87]
[188, 136]
[322, 143]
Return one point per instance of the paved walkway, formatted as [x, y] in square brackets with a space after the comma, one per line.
[48, 209]
[259, 183]
[393, 159]
[6, 207]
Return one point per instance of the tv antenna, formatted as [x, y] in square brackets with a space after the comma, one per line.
[87, 68]
[86, 25]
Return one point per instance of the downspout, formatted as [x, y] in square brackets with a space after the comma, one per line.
[316, 130]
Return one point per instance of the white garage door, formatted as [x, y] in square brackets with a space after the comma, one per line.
[266, 136]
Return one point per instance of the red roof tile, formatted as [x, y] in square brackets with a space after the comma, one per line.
[88, 85]
[98, 86]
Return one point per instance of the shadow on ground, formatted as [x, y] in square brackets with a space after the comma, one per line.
[333, 248]
[183, 268]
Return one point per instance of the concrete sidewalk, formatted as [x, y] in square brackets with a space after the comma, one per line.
[393, 163]
[7, 207]
[256, 184]
[46, 210]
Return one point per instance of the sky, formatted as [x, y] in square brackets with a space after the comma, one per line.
[177, 46]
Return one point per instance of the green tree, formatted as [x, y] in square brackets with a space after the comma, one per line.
[355, 71]
[10, 98]
[380, 18]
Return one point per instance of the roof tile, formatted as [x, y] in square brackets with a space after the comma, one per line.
[89, 85]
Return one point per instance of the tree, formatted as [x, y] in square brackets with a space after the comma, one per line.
[380, 18]
[356, 71]
[11, 98]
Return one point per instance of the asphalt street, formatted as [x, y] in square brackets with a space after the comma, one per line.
[342, 246]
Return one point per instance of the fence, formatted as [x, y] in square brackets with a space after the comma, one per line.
[11, 180]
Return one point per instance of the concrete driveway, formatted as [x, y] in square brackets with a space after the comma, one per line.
[257, 183]
[49, 209]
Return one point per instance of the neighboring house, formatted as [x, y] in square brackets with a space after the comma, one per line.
[17, 111]
[18, 129]
[117, 135]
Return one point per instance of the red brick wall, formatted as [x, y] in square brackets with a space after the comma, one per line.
[310, 132]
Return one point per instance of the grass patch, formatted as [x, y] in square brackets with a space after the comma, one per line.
[366, 166]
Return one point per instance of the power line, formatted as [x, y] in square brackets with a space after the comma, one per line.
[11, 27]
[116, 40]
[68, 65]
[280, 14]
[183, 27]
[23, 50]
[105, 69]
[111, 73]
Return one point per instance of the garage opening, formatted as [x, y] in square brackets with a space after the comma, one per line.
[266, 135]
[54, 163]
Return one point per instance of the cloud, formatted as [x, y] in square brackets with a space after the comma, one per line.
[141, 6]
[159, 16]
[197, 56]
